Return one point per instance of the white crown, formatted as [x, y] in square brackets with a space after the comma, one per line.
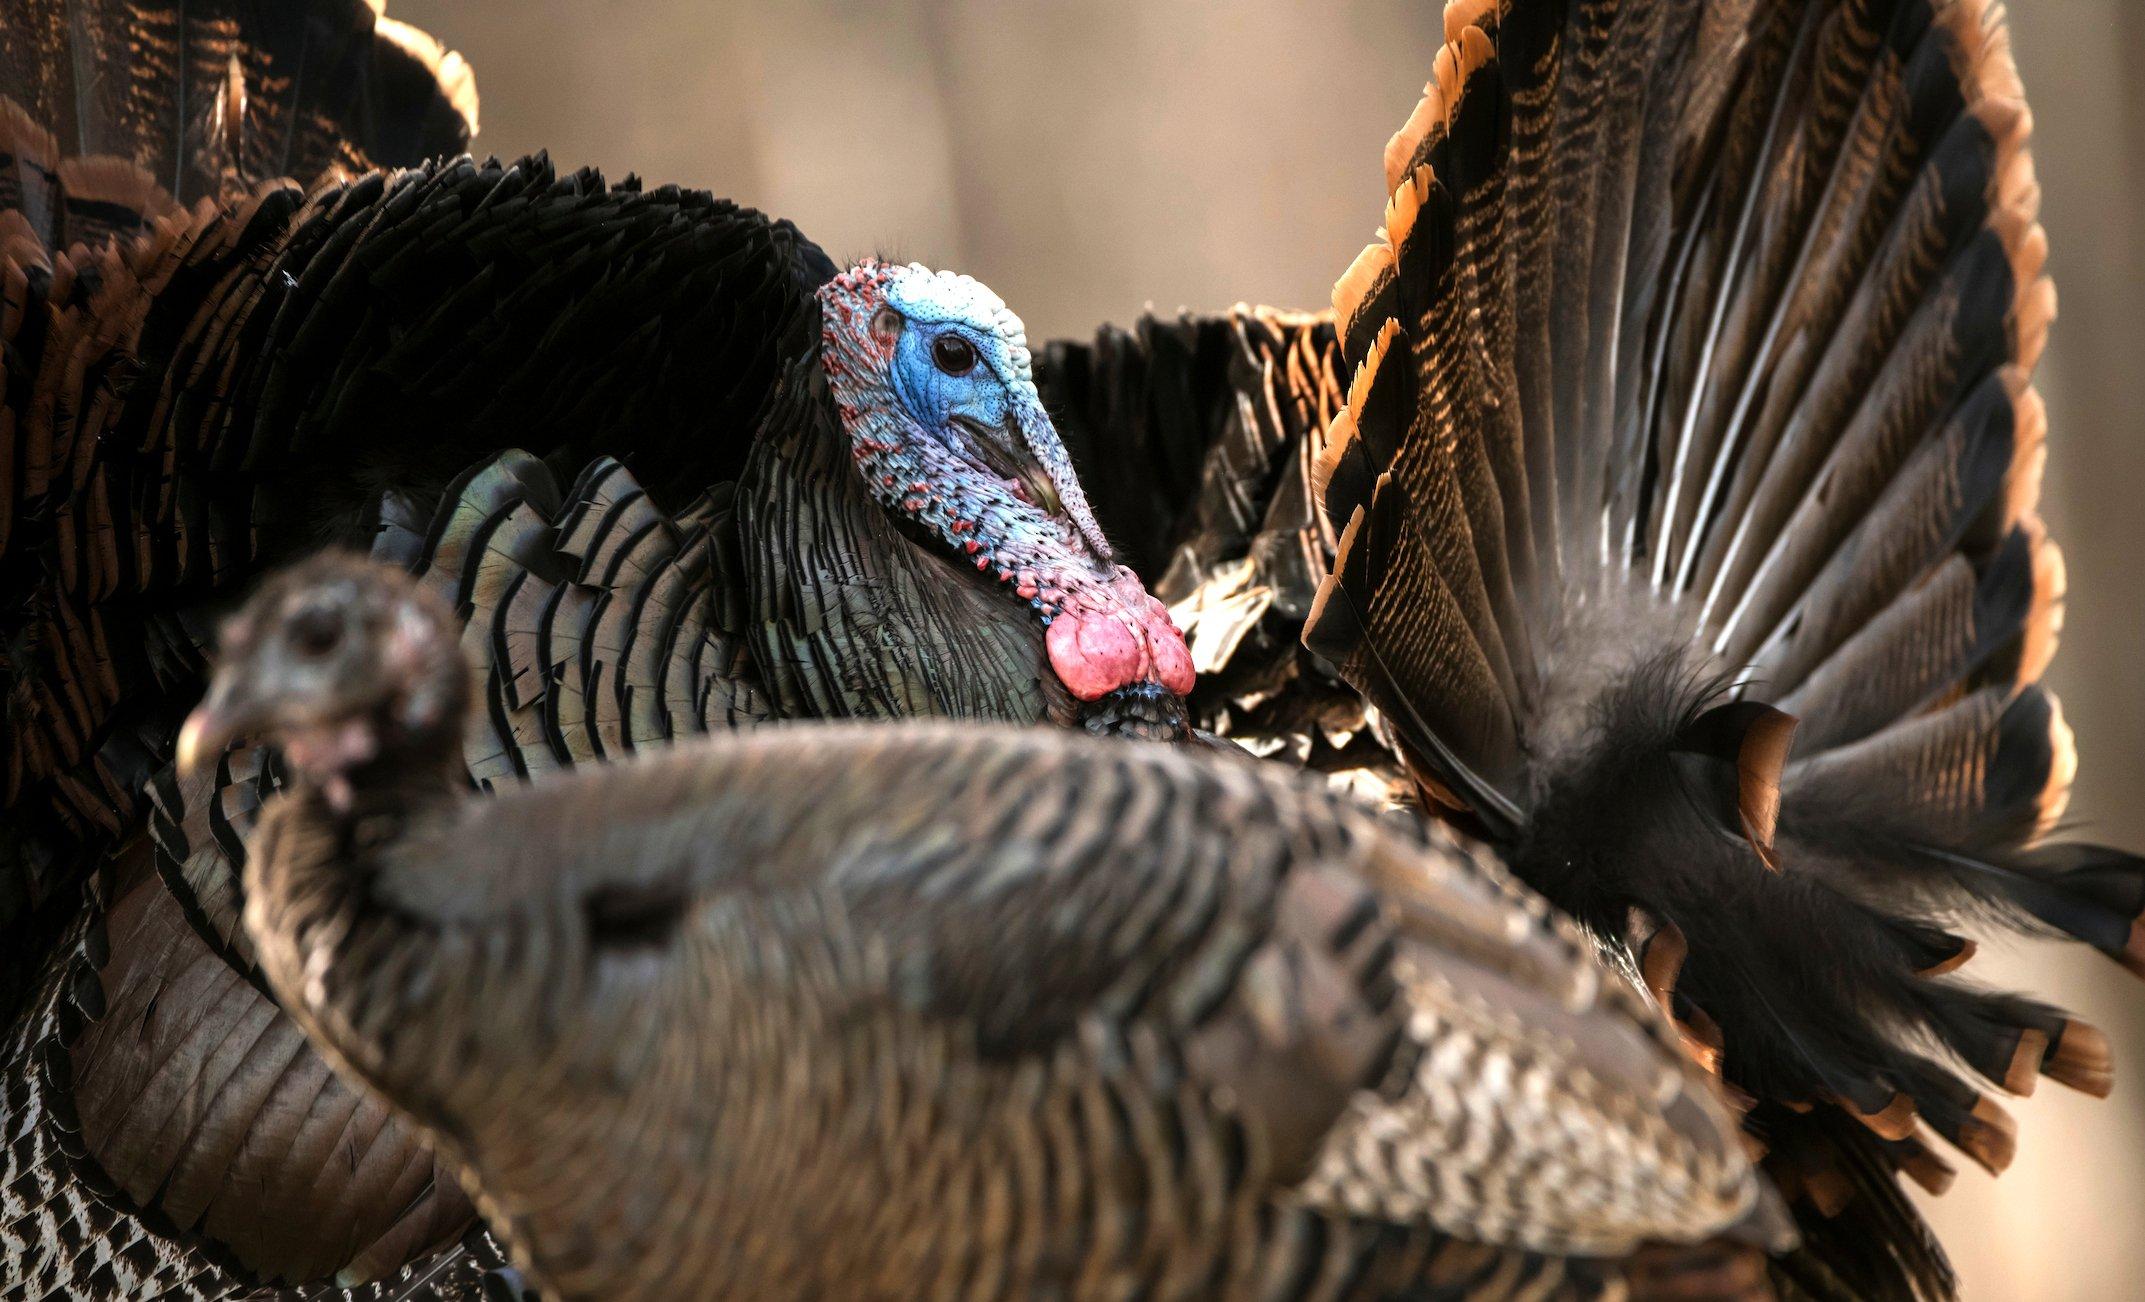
[921, 294]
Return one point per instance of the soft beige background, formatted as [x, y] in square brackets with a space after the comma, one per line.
[1089, 158]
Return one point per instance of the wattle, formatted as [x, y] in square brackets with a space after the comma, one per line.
[1117, 636]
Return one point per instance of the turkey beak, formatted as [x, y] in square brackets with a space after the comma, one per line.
[219, 720]
[1059, 490]
[1040, 487]
[1035, 480]
[1006, 453]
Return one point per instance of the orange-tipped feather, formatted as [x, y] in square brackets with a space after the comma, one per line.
[1367, 374]
[2035, 312]
[1446, 74]
[2062, 770]
[25, 137]
[2081, 1059]
[1406, 203]
[1990, 1136]
[1474, 50]
[2025, 1069]
[457, 81]
[1401, 149]
[1357, 283]
[1895, 1120]
[1463, 14]
[1829, 1190]
[1981, 49]
[1960, 958]
[1662, 961]
[2017, 184]
[2029, 448]
[2044, 620]
[1344, 430]
[103, 178]
[1924, 1167]
[1339, 435]
[1330, 584]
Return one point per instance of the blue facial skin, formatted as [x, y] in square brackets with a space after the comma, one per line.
[934, 385]
[963, 388]
[978, 398]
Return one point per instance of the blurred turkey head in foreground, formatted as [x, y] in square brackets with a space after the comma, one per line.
[343, 671]
[936, 389]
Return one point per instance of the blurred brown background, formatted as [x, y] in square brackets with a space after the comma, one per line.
[1086, 159]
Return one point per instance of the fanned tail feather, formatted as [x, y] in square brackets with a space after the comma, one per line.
[1691, 371]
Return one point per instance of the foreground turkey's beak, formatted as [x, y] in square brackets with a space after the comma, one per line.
[1039, 486]
[214, 725]
[197, 740]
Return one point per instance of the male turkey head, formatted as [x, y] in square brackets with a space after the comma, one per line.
[343, 663]
[932, 377]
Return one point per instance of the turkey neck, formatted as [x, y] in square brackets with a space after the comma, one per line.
[854, 618]
[321, 922]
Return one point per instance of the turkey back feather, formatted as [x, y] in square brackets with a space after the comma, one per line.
[1691, 375]
[248, 383]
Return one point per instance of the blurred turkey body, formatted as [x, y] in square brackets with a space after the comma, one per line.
[823, 1013]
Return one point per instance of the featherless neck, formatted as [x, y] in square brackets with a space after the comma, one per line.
[983, 520]
[1105, 631]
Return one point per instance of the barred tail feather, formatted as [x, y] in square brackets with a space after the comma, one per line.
[1693, 367]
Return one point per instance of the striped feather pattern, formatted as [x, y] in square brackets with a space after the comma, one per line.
[1692, 367]
[122, 978]
[246, 384]
[154, 106]
[942, 1040]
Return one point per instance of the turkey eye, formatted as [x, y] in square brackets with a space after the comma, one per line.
[953, 355]
[315, 631]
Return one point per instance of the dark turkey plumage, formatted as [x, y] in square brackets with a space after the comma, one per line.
[846, 1013]
[444, 365]
[1746, 292]
[1688, 547]
[1747, 297]
[154, 1098]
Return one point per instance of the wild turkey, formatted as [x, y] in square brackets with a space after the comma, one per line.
[299, 369]
[820, 1013]
[381, 425]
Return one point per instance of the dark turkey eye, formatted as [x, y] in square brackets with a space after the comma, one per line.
[953, 355]
[315, 631]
